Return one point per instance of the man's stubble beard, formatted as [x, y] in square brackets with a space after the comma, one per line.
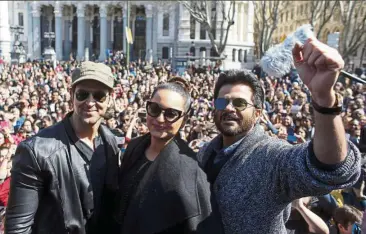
[244, 126]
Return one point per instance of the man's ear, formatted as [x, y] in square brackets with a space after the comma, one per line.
[258, 113]
[340, 227]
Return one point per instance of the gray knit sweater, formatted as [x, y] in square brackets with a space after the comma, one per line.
[255, 187]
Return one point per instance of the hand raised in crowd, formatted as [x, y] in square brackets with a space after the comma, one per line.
[301, 202]
[318, 66]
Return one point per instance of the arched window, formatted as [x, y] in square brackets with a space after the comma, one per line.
[193, 28]
[166, 24]
[234, 55]
[240, 56]
[165, 53]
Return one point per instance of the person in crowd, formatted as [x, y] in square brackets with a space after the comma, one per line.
[253, 174]
[347, 220]
[304, 220]
[163, 189]
[64, 179]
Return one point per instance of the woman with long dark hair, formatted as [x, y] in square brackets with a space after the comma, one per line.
[162, 189]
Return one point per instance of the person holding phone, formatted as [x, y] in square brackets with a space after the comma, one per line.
[347, 220]
[162, 188]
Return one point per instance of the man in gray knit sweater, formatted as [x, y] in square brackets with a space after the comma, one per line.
[255, 177]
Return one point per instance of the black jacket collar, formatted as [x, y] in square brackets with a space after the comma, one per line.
[103, 130]
[111, 150]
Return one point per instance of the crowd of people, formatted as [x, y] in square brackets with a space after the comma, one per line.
[35, 95]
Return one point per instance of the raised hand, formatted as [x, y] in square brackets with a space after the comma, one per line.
[318, 66]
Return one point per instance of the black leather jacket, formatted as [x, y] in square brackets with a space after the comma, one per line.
[45, 191]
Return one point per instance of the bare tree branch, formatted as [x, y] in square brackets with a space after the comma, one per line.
[267, 18]
[327, 9]
[201, 11]
[354, 27]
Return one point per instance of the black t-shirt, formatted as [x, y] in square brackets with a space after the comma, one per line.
[129, 183]
[90, 169]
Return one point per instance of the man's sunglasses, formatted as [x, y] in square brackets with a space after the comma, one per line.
[98, 96]
[238, 103]
[170, 115]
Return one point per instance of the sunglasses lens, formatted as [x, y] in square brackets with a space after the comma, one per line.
[100, 96]
[240, 103]
[221, 103]
[153, 109]
[81, 95]
[171, 115]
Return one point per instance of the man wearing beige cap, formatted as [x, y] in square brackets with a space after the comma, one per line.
[65, 177]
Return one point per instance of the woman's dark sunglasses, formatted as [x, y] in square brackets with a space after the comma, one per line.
[238, 103]
[99, 96]
[170, 115]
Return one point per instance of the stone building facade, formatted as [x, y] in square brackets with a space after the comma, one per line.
[92, 28]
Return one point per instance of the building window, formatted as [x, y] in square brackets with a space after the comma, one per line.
[202, 32]
[245, 56]
[240, 56]
[292, 13]
[166, 24]
[192, 52]
[165, 52]
[281, 17]
[193, 28]
[20, 19]
[286, 16]
[301, 9]
[213, 53]
[234, 54]
[203, 49]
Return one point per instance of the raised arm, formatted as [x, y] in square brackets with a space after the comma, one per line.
[26, 188]
[315, 223]
[319, 66]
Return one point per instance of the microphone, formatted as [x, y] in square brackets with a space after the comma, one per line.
[278, 60]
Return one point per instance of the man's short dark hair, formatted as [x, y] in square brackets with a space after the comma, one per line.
[234, 77]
